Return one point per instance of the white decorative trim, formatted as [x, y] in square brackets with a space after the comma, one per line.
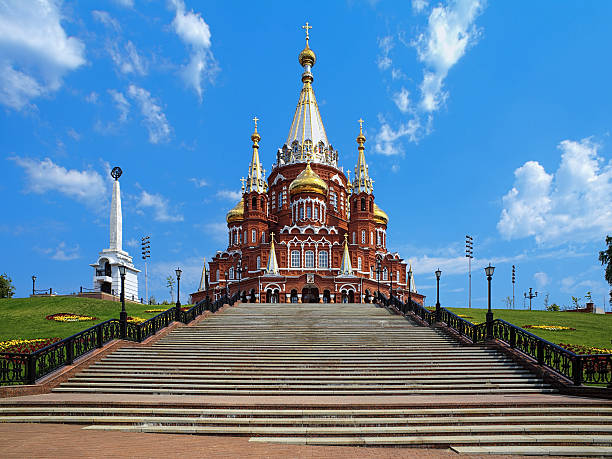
[336, 178]
[277, 178]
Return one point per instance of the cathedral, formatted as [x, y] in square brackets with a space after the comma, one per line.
[307, 232]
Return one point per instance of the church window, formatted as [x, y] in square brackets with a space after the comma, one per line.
[258, 262]
[371, 238]
[218, 277]
[378, 239]
[295, 258]
[333, 198]
[254, 203]
[316, 212]
[371, 206]
[245, 240]
[355, 204]
[253, 236]
[397, 277]
[280, 200]
[354, 238]
[359, 264]
[385, 274]
[323, 259]
[301, 212]
[371, 272]
[231, 273]
[363, 204]
[309, 259]
[308, 211]
[263, 204]
[363, 237]
[263, 237]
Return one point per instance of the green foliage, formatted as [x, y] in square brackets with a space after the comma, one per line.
[576, 302]
[7, 290]
[591, 329]
[25, 317]
[152, 300]
[170, 284]
[605, 256]
[553, 307]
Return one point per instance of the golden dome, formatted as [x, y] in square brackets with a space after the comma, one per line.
[307, 57]
[380, 216]
[308, 182]
[237, 213]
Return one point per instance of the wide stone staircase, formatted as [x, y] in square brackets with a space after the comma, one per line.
[325, 374]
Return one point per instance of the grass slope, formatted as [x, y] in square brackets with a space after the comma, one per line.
[25, 317]
[591, 329]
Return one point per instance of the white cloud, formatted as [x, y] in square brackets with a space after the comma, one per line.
[106, 19]
[160, 207]
[74, 134]
[217, 230]
[541, 279]
[154, 118]
[125, 3]
[195, 33]
[35, 52]
[121, 103]
[199, 183]
[230, 195]
[572, 204]
[92, 97]
[419, 6]
[133, 243]
[63, 253]
[45, 176]
[449, 33]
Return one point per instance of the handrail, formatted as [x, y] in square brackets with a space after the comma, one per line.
[18, 368]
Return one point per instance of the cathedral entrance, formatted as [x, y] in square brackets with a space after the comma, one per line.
[326, 296]
[271, 296]
[310, 294]
[294, 296]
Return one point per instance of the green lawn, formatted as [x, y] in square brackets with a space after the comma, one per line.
[591, 329]
[25, 317]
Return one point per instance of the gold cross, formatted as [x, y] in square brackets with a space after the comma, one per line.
[272, 235]
[307, 27]
[360, 125]
[243, 180]
[256, 120]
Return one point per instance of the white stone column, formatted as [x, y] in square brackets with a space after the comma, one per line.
[116, 236]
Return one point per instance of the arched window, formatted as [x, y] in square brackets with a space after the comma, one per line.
[309, 211]
[333, 199]
[354, 238]
[245, 240]
[371, 206]
[385, 274]
[258, 262]
[378, 238]
[301, 213]
[359, 264]
[254, 202]
[363, 204]
[371, 272]
[371, 238]
[253, 236]
[218, 275]
[262, 203]
[263, 237]
[316, 212]
[397, 277]
[363, 236]
[323, 259]
[231, 273]
[280, 199]
[246, 205]
[295, 258]
[355, 204]
[309, 259]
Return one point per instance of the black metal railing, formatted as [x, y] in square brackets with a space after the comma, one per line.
[577, 368]
[18, 368]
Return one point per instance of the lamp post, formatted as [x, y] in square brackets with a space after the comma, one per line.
[378, 261]
[410, 289]
[489, 272]
[33, 285]
[391, 286]
[123, 313]
[178, 292]
[239, 273]
[438, 274]
[531, 296]
[469, 254]
[227, 290]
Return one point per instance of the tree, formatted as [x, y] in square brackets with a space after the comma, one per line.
[576, 301]
[7, 290]
[170, 284]
[508, 302]
[546, 302]
[553, 307]
[605, 256]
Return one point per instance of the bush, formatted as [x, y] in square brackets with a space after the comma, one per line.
[553, 307]
[6, 287]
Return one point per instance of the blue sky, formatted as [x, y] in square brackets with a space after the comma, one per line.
[482, 118]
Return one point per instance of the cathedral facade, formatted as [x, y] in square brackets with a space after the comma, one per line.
[307, 232]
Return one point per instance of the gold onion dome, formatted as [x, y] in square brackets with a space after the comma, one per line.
[237, 213]
[307, 56]
[308, 182]
[380, 216]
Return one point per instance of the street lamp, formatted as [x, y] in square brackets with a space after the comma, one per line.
[178, 292]
[33, 285]
[123, 314]
[489, 272]
[438, 274]
[410, 288]
[378, 262]
[391, 286]
[239, 273]
[531, 296]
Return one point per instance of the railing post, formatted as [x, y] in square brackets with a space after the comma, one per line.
[540, 352]
[139, 333]
[99, 336]
[69, 352]
[512, 337]
[577, 370]
[31, 369]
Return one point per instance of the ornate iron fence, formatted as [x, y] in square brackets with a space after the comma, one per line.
[27, 368]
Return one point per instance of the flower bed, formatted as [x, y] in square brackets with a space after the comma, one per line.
[549, 327]
[585, 350]
[158, 310]
[26, 346]
[135, 320]
[69, 317]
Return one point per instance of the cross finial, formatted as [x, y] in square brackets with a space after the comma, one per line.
[272, 236]
[360, 125]
[256, 120]
[243, 180]
[307, 28]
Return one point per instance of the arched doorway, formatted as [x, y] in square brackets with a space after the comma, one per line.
[271, 296]
[351, 296]
[294, 296]
[105, 287]
[326, 296]
[310, 294]
[252, 296]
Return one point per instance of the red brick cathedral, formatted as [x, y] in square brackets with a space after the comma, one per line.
[307, 233]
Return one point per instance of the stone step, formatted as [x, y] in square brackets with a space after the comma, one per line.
[526, 450]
